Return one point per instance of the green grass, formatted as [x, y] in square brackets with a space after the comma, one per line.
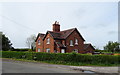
[65, 63]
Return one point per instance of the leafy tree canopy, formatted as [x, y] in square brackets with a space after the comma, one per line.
[112, 47]
[6, 43]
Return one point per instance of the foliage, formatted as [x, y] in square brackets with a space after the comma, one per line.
[6, 43]
[31, 42]
[102, 51]
[68, 58]
[12, 54]
[112, 47]
[22, 49]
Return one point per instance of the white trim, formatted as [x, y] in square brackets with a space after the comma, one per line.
[48, 41]
[71, 42]
[76, 41]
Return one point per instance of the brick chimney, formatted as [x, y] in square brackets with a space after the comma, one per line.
[56, 27]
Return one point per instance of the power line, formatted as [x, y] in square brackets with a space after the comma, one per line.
[17, 23]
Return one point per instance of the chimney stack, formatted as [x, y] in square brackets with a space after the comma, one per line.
[56, 27]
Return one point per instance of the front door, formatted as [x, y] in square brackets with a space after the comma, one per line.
[62, 50]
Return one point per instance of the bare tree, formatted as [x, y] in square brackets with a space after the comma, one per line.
[31, 42]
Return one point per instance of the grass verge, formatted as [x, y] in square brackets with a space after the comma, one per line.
[64, 63]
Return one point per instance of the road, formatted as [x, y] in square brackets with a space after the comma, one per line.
[13, 66]
[27, 67]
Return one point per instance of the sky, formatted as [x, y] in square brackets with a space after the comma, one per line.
[97, 22]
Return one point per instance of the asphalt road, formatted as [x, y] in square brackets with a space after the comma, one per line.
[13, 66]
[26, 67]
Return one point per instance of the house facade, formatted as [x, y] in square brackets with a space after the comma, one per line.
[66, 41]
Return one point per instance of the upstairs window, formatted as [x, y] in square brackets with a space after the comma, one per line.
[63, 42]
[38, 42]
[76, 41]
[48, 40]
[71, 42]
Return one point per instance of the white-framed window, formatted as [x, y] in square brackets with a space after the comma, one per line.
[63, 42]
[39, 42]
[62, 50]
[71, 42]
[48, 41]
[38, 49]
[48, 50]
[76, 41]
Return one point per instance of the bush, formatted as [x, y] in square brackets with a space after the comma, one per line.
[12, 54]
[24, 49]
[64, 58]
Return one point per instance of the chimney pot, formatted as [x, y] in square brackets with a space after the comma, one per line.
[56, 27]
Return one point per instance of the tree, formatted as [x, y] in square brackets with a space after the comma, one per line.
[112, 47]
[6, 43]
[31, 42]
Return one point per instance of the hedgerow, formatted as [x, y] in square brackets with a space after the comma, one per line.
[64, 58]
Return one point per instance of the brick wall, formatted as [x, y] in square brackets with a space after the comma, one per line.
[39, 46]
[51, 45]
[80, 45]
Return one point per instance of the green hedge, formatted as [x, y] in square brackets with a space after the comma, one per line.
[71, 58]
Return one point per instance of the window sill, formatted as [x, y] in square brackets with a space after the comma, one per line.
[76, 43]
[38, 43]
[71, 45]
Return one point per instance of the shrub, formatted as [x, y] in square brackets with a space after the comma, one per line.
[24, 49]
[29, 55]
[64, 58]
[12, 54]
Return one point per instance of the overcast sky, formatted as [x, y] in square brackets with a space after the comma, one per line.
[96, 21]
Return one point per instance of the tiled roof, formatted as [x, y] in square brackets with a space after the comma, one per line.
[41, 35]
[87, 45]
[66, 33]
[62, 34]
[59, 44]
[56, 35]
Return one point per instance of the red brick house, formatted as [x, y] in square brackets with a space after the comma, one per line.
[66, 41]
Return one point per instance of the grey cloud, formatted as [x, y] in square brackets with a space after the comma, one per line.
[101, 25]
[112, 32]
[79, 13]
[83, 27]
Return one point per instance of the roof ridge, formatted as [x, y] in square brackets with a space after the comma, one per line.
[87, 43]
[67, 29]
[40, 33]
[53, 32]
